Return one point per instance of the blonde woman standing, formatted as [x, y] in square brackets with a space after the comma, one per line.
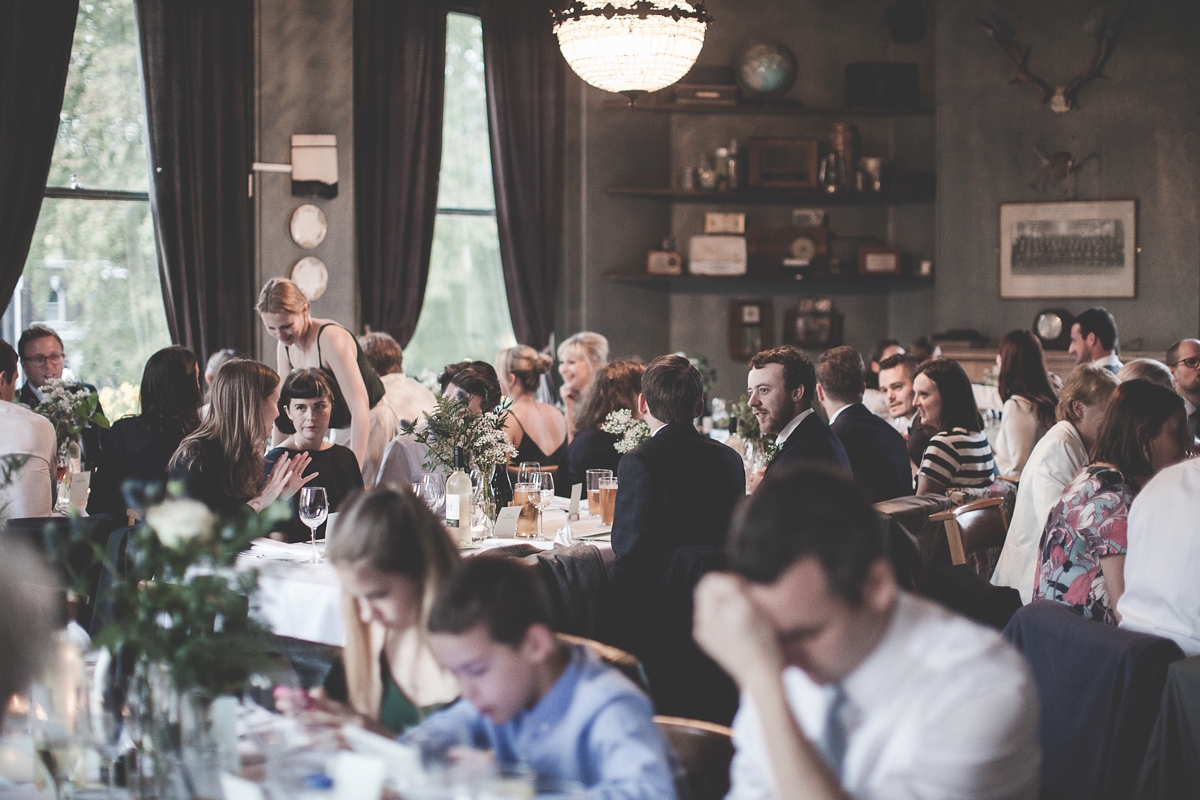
[309, 342]
[579, 357]
[536, 429]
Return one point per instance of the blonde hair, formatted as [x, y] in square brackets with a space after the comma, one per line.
[1089, 385]
[1147, 369]
[235, 419]
[592, 346]
[281, 296]
[524, 363]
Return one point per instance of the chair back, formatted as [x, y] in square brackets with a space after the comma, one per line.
[911, 538]
[72, 556]
[622, 660]
[703, 752]
[974, 527]
[1100, 689]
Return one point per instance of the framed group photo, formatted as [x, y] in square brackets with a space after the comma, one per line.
[1068, 249]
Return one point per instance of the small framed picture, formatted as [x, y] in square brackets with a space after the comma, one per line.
[750, 328]
[721, 222]
[664, 262]
[812, 330]
[878, 260]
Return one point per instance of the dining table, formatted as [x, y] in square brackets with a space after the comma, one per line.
[303, 600]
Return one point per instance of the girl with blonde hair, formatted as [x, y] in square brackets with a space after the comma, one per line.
[537, 430]
[579, 357]
[221, 463]
[309, 342]
[391, 555]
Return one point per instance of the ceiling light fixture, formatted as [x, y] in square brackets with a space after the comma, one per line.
[640, 47]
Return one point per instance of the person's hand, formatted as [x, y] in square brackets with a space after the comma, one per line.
[732, 630]
[568, 395]
[756, 479]
[284, 481]
[296, 477]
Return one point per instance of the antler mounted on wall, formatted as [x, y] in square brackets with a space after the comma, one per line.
[1060, 98]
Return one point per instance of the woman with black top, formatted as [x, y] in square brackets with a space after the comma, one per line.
[138, 448]
[538, 430]
[221, 463]
[307, 342]
[614, 386]
[305, 403]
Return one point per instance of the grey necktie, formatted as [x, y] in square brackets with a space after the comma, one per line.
[833, 744]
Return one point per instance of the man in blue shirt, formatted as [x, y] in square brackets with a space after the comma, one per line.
[558, 710]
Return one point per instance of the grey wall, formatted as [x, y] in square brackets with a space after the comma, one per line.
[1144, 122]
[304, 62]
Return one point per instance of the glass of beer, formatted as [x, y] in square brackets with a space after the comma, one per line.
[593, 489]
[526, 495]
[608, 499]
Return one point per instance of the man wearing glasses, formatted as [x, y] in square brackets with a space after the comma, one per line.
[42, 356]
[1184, 360]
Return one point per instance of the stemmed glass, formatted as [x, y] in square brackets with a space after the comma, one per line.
[527, 470]
[433, 490]
[314, 508]
[544, 481]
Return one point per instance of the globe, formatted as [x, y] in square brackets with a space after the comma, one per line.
[767, 69]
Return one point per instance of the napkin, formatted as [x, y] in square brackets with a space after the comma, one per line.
[563, 537]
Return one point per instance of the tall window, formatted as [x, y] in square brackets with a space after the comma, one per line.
[465, 314]
[92, 272]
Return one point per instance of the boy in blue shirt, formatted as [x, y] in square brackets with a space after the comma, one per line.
[556, 709]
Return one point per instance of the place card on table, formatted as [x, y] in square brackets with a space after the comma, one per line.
[576, 493]
[506, 522]
[357, 776]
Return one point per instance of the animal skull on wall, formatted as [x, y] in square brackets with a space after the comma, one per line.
[1061, 98]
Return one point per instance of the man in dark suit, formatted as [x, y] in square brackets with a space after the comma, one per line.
[676, 489]
[877, 452]
[782, 386]
[42, 358]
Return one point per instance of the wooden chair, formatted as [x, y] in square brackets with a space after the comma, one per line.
[973, 527]
[703, 752]
[626, 662]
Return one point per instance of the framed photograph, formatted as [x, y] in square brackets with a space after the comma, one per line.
[878, 260]
[812, 325]
[1069, 249]
[781, 163]
[750, 328]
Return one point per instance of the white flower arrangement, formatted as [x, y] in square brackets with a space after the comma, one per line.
[632, 431]
[453, 425]
[180, 520]
[70, 407]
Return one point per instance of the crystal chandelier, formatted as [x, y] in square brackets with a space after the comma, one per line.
[640, 47]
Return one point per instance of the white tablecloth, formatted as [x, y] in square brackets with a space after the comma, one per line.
[303, 601]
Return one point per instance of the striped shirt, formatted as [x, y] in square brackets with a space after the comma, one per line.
[959, 458]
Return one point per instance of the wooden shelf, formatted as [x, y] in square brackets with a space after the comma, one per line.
[814, 197]
[844, 283]
[764, 109]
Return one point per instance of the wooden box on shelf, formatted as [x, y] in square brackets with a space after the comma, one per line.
[664, 262]
[785, 163]
[787, 247]
[751, 328]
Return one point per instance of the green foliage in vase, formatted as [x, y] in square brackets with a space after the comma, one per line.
[453, 425]
[70, 407]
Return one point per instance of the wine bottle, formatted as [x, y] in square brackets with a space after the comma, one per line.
[458, 499]
[734, 441]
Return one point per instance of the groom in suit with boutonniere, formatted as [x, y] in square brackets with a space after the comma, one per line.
[782, 387]
[675, 490]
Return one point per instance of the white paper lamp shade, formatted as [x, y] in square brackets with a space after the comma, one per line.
[627, 53]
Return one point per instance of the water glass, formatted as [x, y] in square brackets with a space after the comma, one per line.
[544, 497]
[527, 470]
[433, 490]
[593, 489]
[314, 508]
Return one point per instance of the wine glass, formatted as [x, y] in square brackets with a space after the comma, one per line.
[314, 508]
[527, 470]
[545, 483]
[433, 490]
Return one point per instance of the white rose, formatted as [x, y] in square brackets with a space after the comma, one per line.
[177, 521]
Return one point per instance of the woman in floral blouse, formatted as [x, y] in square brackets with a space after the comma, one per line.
[1082, 554]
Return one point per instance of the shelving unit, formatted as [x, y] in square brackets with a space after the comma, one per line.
[774, 196]
[756, 109]
[852, 282]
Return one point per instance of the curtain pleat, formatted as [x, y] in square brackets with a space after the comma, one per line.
[525, 90]
[35, 53]
[197, 66]
[399, 85]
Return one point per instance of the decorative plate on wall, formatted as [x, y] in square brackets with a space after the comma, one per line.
[310, 275]
[308, 226]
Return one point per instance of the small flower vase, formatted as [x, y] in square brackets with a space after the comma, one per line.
[70, 458]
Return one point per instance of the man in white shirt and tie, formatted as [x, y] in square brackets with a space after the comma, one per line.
[1094, 339]
[1184, 360]
[851, 687]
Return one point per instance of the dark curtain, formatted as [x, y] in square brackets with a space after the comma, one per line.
[35, 51]
[197, 63]
[525, 115]
[399, 83]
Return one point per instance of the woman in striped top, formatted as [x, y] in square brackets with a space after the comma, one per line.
[958, 455]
